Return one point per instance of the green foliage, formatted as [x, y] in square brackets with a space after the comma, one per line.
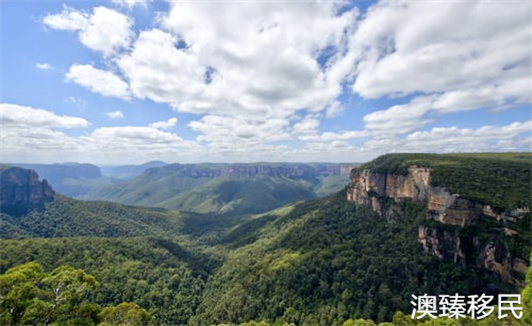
[318, 262]
[28, 295]
[325, 261]
[126, 313]
[66, 217]
[203, 188]
[501, 180]
[163, 277]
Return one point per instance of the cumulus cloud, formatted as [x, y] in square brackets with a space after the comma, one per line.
[98, 81]
[26, 131]
[157, 70]
[18, 116]
[407, 47]
[223, 131]
[511, 137]
[105, 30]
[258, 74]
[114, 115]
[199, 63]
[168, 124]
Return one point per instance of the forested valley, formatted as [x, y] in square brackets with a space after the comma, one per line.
[324, 261]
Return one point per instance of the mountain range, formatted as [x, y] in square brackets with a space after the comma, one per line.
[400, 225]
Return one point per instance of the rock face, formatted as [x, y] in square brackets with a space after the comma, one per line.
[252, 170]
[21, 191]
[375, 188]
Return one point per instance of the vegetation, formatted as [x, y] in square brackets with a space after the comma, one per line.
[317, 262]
[200, 188]
[501, 180]
[30, 296]
[66, 217]
[160, 276]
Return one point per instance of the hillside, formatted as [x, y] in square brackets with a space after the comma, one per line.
[316, 262]
[227, 188]
[67, 217]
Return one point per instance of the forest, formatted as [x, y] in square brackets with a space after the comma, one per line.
[323, 261]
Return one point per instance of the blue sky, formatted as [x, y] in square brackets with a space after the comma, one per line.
[120, 82]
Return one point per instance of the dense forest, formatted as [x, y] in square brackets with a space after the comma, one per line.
[324, 261]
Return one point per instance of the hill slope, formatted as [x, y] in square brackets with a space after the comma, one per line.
[67, 217]
[227, 188]
[320, 262]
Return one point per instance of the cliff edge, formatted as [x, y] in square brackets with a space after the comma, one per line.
[21, 191]
[465, 230]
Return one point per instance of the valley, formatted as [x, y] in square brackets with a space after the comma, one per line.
[302, 244]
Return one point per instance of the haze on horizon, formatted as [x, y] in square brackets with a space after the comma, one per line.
[128, 82]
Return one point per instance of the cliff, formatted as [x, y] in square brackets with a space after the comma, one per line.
[461, 229]
[21, 191]
[238, 171]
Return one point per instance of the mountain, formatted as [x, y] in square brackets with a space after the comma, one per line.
[125, 172]
[478, 206]
[21, 191]
[69, 179]
[227, 188]
[403, 225]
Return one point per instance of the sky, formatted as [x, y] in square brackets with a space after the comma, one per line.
[126, 82]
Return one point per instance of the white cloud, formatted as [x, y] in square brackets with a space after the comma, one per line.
[26, 131]
[131, 3]
[114, 115]
[168, 124]
[98, 81]
[258, 74]
[273, 67]
[399, 119]
[68, 19]
[231, 132]
[139, 136]
[308, 125]
[335, 136]
[411, 46]
[511, 137]
[18, 116]
[157, 70]
[44, 66]
[106, 30]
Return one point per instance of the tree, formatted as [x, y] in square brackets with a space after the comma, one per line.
[30, 296]
[126, 313]
[18, 288]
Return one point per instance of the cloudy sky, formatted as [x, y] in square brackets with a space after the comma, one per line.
[125, 81]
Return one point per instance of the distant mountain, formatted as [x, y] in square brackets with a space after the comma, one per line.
[126, 172]
[227, 188]
[70, 179]
[359, 253]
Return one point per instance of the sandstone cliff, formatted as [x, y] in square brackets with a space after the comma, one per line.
[289, 170]
[376, 189]
[21, 191]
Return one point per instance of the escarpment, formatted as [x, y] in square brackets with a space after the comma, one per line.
[466, 231]
[21, 191]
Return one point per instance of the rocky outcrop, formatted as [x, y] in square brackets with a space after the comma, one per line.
[376, 189]
[238, 171]
[21, 191]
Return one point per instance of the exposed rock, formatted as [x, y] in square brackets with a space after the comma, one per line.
[21, 191]
[289, 170]
[374, 189]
